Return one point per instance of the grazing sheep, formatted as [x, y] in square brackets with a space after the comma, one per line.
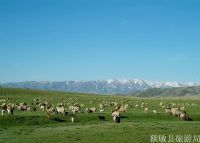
[87, 110]
[168, 110]
[110, 104]
[7, 107]
[155, 112]
[2, 112]
[101, 110]
[105, 104]
[60, 110]
[117, 107]
[101, 106]
[182, 115]
[136, 106]
[142, 104]
[115, 103]
[175, 111]
[146, 109]
[4, 108]
[72, 119]
[182, 108]
[76, 109]
[28, 108]
[116, 116]
[126, 106]
[23, 106]
[115, 113]
[92, 110]
[42, 107]
[51, 110]
[122, 109]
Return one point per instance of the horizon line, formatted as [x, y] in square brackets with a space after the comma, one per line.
[114, 79]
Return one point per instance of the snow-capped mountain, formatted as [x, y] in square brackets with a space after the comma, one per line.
[113, 86]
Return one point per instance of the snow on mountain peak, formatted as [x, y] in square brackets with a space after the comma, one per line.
[110, 81]
[101, 86]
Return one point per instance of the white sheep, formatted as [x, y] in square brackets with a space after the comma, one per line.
[175, 111]
[146, 109]
[75, 109]
[93, 109]
[2, 112]
[102, 110]
[136, 106]
[122, 109]
[155, 112]
[183, 115]
[72, 119]
[60, 110]
[182, 108]
[115, 115]
[101, 106]
[168, 110]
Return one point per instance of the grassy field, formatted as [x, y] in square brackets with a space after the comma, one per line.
[135, 127]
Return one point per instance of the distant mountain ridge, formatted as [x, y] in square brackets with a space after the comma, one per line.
[113, 86]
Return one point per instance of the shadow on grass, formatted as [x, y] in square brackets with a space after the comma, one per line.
[123, 117]
[58, 120]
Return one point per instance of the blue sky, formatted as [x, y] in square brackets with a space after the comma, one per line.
[99, 39]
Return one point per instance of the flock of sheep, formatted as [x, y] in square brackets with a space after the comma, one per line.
[72, 105]
[179, 112]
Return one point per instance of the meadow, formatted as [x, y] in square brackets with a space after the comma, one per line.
[135, 127]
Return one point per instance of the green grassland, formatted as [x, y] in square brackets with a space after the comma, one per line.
[135, 127]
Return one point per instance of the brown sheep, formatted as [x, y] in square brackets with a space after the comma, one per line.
[184, 116]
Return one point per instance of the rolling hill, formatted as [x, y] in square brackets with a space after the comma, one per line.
[179, 91]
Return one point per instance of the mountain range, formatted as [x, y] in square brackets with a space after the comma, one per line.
[113, 86]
